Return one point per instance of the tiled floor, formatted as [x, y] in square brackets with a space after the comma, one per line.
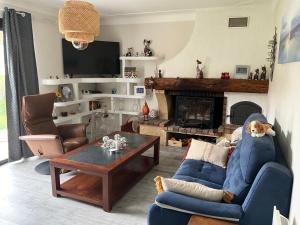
[25, 197]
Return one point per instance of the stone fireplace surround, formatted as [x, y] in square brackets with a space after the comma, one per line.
[233, 91]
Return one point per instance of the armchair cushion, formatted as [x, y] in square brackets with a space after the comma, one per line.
[72, 143]
[44, 145]
[182, 203]
[68, 131]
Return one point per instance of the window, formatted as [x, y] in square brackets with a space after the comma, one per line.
[3, 126]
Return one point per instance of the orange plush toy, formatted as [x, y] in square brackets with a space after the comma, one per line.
[259, 129]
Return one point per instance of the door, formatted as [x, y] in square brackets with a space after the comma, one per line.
[3, 124]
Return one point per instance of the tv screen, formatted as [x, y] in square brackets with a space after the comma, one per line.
[100, 57]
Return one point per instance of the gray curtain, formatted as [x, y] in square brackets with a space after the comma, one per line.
[21, 75]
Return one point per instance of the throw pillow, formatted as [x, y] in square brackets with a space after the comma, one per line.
[192, 189]
[236, 135]
[208, 152]
[187, 148]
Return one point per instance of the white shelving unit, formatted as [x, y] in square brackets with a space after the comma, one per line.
[126, 59]
[86, 98]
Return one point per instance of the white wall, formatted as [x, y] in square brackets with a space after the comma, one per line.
[48, 52]
[47, 42]
[204, 36]
[284, 107]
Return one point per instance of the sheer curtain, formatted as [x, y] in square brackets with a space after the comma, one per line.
[21, 75]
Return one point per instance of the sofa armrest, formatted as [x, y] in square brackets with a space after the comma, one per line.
[67, 131]
[186, 204]
[271, 187]
[48, 146]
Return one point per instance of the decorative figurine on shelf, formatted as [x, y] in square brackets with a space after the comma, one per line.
[256, 75]
[225, 76]
[149, 83]
[58, 97]
[153, 114]
[129, 52]
[146, 111]
[199, 69]
[250, 76]
[159, 73]
[263, 75]
[147, 50]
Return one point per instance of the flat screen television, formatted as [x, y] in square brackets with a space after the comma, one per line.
[100, 58]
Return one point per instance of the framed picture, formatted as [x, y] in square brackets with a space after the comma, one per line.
[130, 72]
[67, 93]
[290, 36]
[140, 90]
[242, 71]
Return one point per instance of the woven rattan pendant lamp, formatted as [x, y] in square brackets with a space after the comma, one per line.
[79, 22]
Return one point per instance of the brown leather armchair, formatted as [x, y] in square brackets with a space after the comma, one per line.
[43, 137]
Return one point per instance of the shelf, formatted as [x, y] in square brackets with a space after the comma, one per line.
[118, 112]
[141, 58]
[90, 80]
[95, 96]
[61, 119]
[208, 84]
[63, 104]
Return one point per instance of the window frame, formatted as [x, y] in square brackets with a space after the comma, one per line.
[1, 29]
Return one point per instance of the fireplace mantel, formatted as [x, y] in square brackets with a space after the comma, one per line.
[208, 85]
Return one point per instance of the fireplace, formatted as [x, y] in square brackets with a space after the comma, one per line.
[194, 112]
[197, 109]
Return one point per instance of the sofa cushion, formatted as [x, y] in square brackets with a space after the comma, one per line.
[249, 156]
[234, 181]
[202, 170]
[255, 152]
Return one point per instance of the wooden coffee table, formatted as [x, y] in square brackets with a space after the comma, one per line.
[102, 176]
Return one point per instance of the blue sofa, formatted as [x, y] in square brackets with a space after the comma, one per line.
[256, 173]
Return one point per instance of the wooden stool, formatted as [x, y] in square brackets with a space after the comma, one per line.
[200, 220]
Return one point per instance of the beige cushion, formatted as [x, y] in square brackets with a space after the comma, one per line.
[208, 152]
[236, 136]
[192, 189]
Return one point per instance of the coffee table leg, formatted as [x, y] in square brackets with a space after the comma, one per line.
[106, 192]
[55, 179]
[156, 152]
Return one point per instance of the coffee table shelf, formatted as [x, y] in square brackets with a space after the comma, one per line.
[88, 188]
[83, 187]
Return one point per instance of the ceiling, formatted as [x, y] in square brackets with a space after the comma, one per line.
[123, 7]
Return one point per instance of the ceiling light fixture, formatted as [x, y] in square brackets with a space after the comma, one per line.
[79, 22]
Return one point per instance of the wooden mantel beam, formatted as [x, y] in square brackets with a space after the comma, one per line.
[208, 84]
